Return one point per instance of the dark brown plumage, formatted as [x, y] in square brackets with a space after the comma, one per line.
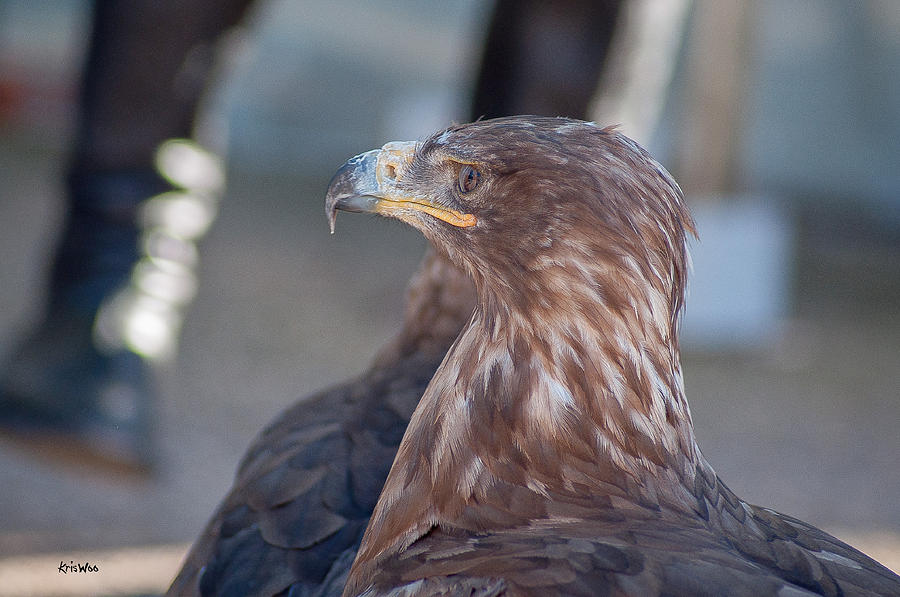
[306, 487]
[553, 453]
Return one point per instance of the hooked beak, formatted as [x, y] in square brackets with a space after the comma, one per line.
[368, 183]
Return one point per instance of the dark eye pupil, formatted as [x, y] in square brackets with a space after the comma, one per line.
[468, 179]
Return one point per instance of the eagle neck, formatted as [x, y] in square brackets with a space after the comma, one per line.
[592, 411]
[559, 385]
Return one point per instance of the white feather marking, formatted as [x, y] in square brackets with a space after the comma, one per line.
[537, 487]
[642, 423]
[559, 394]
[837, 559]
[615, 454]
[443, 138]
[470, 476]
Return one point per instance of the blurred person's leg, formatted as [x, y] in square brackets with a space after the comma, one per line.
[544, 58]
[80, 383]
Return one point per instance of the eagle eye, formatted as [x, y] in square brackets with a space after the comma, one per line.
[468, 179]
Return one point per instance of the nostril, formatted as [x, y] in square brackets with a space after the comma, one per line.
[390, 171]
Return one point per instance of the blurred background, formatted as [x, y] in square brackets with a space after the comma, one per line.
[781, 120]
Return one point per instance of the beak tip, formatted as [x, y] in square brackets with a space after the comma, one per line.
[354, 187]
[330, 213]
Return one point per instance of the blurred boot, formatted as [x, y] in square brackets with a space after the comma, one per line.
[81, 385]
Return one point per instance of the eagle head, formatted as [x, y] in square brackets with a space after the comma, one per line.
[533, 207]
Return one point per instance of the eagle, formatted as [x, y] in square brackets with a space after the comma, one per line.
[553, 452]
[305, 489]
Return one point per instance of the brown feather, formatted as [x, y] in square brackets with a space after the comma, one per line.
[553, 452]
